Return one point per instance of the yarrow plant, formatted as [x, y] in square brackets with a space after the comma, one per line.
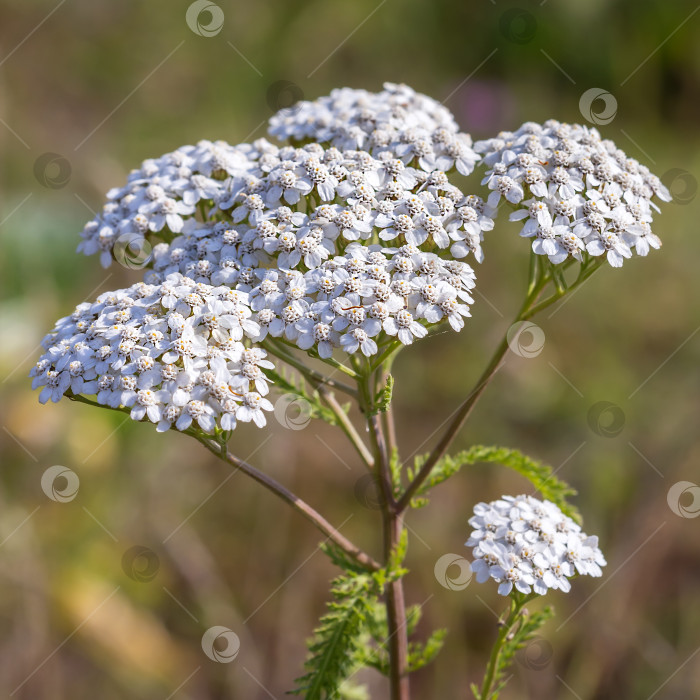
[327, 255]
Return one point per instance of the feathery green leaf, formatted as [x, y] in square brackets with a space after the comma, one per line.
[540, 475]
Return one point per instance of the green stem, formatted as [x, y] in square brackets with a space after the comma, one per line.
[327, 360]
[387, 357]
[584, 274]
[347, 427]
[339, 366]
[321, 383]
[392, 528]
[389, 425]
[466, 408]
[379, 446]
[516, 605]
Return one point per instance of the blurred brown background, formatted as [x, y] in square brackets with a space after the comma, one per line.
[103, 85]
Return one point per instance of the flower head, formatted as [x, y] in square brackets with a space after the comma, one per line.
[575, 191]
[352, 239]
[530, 545]
[176, 354]
[413, 127]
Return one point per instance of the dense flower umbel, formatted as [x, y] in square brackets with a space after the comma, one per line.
[415, 127]
[350, 243]
[575, 191]
[175, 353]
[299, 205]
[164, 194]
[378, 261]
[530, 545]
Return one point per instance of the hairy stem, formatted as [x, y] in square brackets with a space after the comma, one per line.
[392, 525]
[396, 614]
[313, 516]
[585, 273]
[347, 426]
[321, 384]
[390, 431]
[516, 605]
[382, 457]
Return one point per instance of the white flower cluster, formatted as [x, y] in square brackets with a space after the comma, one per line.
[176, 353]
[413, 126]
[382, 257]
[576, 191]
[530, 545]
[353, 242]
[163, 194]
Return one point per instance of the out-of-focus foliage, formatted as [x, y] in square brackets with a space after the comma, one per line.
[105, 85]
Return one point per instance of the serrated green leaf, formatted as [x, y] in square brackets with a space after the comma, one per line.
[540, 475]
[421, 654]
[352, 632]
[395, 471]
[383, 398]
[413, 617]
[341, 559]
[336, 641]
[350, 691]
[397, 556]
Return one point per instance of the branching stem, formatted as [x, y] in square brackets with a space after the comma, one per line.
[219, 450]
[294, 501]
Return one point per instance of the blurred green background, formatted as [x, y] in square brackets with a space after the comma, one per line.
[105, 85]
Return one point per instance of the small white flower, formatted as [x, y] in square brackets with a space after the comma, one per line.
[609, 244]
[405, 327]
[252, 409]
